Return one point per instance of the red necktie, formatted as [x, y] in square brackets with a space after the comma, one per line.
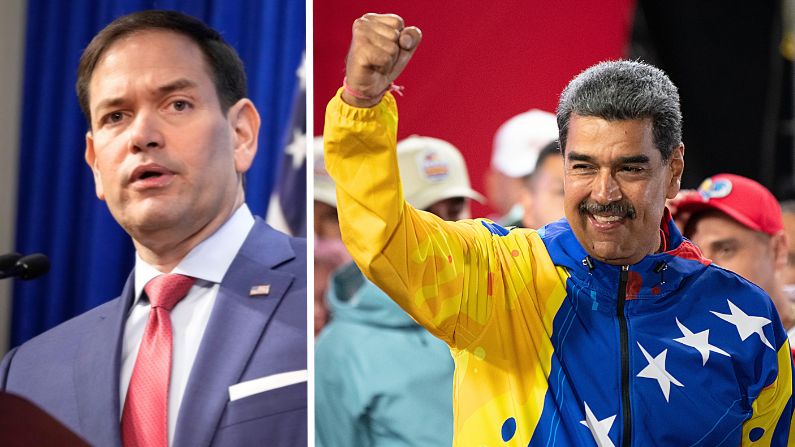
[144, 421]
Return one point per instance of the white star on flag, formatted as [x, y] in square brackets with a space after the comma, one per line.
[699, 341]
[599, 429]
[746, 324]
[297, 148]
[300, 73]
[656, 370]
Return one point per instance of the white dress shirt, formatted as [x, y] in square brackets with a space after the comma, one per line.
[208, 263]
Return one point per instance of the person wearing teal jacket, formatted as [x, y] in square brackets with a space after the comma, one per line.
[368, 395]
[380, 378]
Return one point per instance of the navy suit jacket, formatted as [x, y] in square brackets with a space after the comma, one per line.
[72, 370]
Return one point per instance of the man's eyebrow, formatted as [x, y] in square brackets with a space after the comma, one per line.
[725, 242]
[576, 156]
[109, 103]
[179, 84]
[635, 159]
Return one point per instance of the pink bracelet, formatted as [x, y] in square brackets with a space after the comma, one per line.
[394, 88]
[356, 94]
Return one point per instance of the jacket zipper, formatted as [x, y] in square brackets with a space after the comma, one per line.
[622, 321]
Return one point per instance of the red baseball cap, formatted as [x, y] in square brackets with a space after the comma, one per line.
[743, 199]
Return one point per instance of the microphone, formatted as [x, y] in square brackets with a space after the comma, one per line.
[8, 260]
[25, 267]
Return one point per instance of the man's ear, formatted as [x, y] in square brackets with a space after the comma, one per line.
[677, 164]
[91, 159]
[780, 245]
[244, 121]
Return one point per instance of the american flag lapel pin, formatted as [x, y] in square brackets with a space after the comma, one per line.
[260, 290]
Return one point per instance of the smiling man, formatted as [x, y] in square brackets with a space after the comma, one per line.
[606, 328]
[207, 343]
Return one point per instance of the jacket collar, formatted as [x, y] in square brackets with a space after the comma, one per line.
[654, 278]
[235, 329]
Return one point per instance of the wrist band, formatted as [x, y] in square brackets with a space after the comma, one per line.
[394, 88]
[359, 95]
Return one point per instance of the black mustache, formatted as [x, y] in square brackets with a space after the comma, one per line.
[619, 208]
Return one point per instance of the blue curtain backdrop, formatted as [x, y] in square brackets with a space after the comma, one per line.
[58, 213]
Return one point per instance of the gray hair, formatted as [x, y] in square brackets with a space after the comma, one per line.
[624, 90]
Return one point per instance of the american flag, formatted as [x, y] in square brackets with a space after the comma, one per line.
[287, 207]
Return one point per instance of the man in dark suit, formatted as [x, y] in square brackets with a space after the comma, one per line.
[207, 343]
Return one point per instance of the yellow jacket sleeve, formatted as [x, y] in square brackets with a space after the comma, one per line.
[442, 273]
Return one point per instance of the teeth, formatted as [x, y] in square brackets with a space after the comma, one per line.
[606, 219]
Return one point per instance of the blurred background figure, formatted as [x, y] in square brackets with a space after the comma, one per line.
[680, 217]
[366, 395]
[517, 145]
[541, 196]
[738, 224]
[435, 177]
[330, 253]
[788, 217]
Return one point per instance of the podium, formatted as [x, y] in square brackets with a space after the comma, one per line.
[22, 423]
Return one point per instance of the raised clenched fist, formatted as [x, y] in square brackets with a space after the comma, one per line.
[380, 49]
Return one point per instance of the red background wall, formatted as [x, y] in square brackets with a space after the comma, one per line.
[477, 65]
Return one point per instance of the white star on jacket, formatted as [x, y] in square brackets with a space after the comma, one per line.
[656, 370]
[699, 341]
[746, 324]
[599, 429]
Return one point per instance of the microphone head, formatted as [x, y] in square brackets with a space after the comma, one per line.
[33, 266]
[9, 260]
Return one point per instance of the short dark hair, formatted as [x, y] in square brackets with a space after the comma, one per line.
[624, 90]
[547, 151]
[226, 68]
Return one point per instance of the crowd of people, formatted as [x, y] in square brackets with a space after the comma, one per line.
[599, 185]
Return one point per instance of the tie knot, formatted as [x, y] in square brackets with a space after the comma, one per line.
[166, 290]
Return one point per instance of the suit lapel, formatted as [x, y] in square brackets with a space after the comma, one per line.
[96, 373]
[233, 332]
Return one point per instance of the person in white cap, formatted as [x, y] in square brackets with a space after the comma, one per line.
[366, 394]
[435, 177]
[517, 144]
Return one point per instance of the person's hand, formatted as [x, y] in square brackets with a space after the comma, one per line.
[380, 49]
